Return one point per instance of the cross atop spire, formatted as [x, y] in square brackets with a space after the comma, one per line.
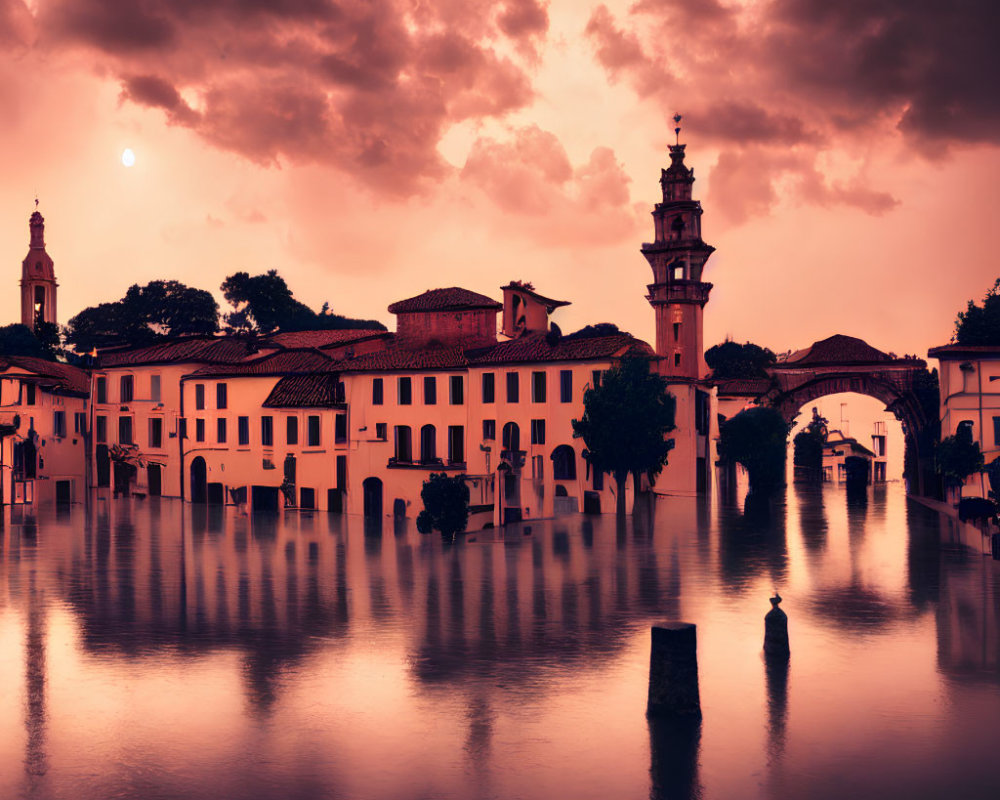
[677, 129]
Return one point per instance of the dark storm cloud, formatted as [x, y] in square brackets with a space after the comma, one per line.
[368, 86]
[808, 75]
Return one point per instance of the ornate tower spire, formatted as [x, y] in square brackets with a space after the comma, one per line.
[38, 278]
[677, 256]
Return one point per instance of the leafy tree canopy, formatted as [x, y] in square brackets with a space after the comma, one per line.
[446, 504]
[145, 314]
[263, 304]
[18, 340]
[756, 439]
[624, 423]
[957, 457]
[980, 325]
[808, 443]
[732, 360]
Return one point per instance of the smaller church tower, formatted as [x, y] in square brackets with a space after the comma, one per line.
[38, 278]
[677, 256]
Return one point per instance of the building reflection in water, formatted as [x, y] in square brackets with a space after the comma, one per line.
[478, 625]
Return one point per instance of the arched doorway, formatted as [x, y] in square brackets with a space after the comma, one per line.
[564, 463]
[199, 480]
[372, 488]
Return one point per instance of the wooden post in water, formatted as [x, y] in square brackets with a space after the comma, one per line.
[776, 631]
[673, 671]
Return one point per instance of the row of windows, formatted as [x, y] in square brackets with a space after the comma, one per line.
[428, 444]
[126, 388]
[313, 430]
[539, 388]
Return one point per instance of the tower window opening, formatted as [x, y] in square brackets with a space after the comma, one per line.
[677, 331]
[678, 271]
[677, 359]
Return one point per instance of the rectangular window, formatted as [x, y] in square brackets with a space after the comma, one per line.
[381, 431]
[677, 331]
[154, 388]
[267, 431]
[156, 432]
[125, 430]
[538, 431]
[102, 389]
[243, 430]
[312, 431]
[220, 430]
[677, 359]
[404, 446]
[538, 387]
[126, 388]
[307, 498]
[513, 387]
[29, 392]
[456, 390]
[340, 428]
[565, 386]
[59, 423]
[456, 444]
[199, 397]
[199, 430]
[183, 423]
[404, 391]
[430, 390]
[996, 432]
[291, 430]
[489, 387]
[221, 396]
[101, 428]
[489, 429]
[79, 423]
[376, 391]
[595, 376]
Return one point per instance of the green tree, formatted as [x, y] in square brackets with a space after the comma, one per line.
[263, 304]
[446, 505]
[732, 360]
[624, 423]
[808, 444]
[980, 325]
[18, 340]
[957, 457]
[756, 438]
[144, 315]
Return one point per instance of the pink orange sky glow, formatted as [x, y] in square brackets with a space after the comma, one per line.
[845, 153]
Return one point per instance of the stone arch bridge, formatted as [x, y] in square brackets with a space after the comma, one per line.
[847, 364]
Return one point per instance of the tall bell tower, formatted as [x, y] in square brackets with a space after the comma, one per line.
[677, 256]
[38, 278]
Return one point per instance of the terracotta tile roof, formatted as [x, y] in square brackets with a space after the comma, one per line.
[838, 349]
[216, 350]
[321, 339]
[452, 299]
[955, 351]
[284, 362]
[398, 359]
[548, 302]
[50, 374]
[536, 347]
[743, 387]
[303, 391]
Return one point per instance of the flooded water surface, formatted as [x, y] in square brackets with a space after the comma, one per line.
[157, 650]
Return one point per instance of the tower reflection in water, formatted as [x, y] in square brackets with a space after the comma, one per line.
[524, 650]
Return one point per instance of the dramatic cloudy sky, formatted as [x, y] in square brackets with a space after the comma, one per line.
[846, 152]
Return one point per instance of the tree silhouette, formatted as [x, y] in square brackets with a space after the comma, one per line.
[980, 325]
[446, 505]
[756, 439]
[624, 423]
